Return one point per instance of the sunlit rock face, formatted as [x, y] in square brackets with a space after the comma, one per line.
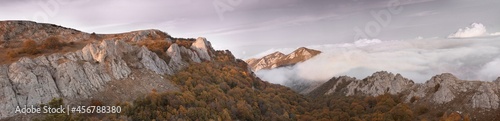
[78, 74]
[278, 59]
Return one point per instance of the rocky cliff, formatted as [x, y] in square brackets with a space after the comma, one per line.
[278, 59]
[444, 89]
[83, 73]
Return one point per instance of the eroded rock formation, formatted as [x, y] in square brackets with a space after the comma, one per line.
[78, 74]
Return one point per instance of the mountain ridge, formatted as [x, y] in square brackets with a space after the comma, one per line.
[440, 89]
[15, 30]
[278, 59]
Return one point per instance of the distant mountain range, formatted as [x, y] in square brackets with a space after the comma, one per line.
[278, 59]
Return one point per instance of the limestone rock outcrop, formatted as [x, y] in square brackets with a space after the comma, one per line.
[76, 75]
[486, 97]
[440, 89]
[380, 83]
[32, 83]
[7, 93]
[200, 46]
[152, 62]
[193, 55]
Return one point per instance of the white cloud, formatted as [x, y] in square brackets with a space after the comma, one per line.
[276, 76]
[417, 59]
[365, 42]
[475, 30]
[495, 34]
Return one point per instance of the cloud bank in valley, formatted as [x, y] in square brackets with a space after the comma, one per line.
[418, 59]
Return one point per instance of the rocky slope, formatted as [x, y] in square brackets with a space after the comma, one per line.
[12, 31]
[90, 71]
[16, 31]
[444, 89]
[278, 59]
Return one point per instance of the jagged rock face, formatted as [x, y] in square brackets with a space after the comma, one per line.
[108, 52]
[486, 97]
[175, 56]
[9, 100]
[32, 83]
[265, 62]
[380, 83]
[152, 62]
[443, 95]
[176, 52]
[442, 85]
[377, 84]
[200, 45]
[279, 59]
[193, 55]
[440, 89]
[72, 81]
[78, 74]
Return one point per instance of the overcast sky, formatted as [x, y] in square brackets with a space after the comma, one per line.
[249, 27]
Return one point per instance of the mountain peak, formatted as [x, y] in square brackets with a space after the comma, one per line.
[303, 49]
[382, 73]
[277, 53]
[444, 77]
[278, 59]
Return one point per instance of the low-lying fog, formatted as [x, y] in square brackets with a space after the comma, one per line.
[470, 53]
